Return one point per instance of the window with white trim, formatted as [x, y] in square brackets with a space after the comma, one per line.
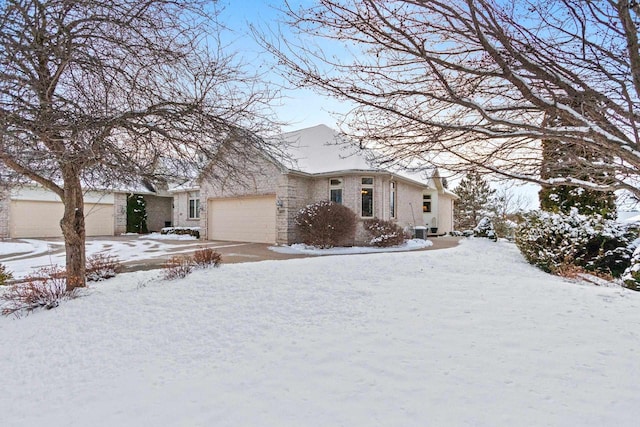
[366, 192]
[194, 205]
[335, 190]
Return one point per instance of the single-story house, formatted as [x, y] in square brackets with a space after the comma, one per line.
[259, 205]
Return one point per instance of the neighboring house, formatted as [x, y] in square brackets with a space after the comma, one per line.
[31, 211]
[261, 205]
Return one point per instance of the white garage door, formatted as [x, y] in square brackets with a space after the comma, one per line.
[42, 219]
[243, 219]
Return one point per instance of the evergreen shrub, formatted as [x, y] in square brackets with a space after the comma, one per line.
[485, 229]
[181, 231]
[326, 224]
[136, 214]
[5, 275]
[384, 233]
[553, 240]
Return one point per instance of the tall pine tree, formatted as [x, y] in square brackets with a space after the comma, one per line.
[559, 160]
[474, 203]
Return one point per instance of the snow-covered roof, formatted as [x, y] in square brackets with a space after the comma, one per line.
[321, 150]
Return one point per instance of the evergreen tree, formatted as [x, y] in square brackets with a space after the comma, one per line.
[560, 160]
[136, 214]
[474, 203]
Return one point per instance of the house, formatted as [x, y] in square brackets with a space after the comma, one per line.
[31, 211]
[261, 204]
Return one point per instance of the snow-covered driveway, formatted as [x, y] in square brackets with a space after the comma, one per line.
[469, 336]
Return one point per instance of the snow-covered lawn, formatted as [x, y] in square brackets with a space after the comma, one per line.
[469, 336]
[23, 256]
[301, 248]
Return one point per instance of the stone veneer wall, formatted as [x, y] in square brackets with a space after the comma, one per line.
[4, 215]
[295, 192]
[159, 211]
[120, 213]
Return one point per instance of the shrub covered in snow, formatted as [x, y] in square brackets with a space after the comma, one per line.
[102, 266]
[485, 229]
[190, 231]
[631, 276]
[45, 288]
[5, 275]
[551, 240]
[384, 233]
[326, 224]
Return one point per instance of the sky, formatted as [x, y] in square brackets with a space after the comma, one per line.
[298, 108]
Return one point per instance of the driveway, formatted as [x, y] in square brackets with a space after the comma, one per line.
[146, 252]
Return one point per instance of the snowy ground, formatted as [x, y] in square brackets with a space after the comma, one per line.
[22, 256]
[469, 336]
[301, 248]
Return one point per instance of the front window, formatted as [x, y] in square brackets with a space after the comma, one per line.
[335, 190]
[426, 203]
[366, 192]
[194, 205]
[392, 199]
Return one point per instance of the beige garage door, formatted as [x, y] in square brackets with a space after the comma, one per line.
[243, 219]
[42, 219]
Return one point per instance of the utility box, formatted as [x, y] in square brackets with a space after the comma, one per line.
[420, 232]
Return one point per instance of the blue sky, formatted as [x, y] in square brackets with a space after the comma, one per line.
[299, 108]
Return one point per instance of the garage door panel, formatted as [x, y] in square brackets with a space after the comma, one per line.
[42, 219]
[246, 219]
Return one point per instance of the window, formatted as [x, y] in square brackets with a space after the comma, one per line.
[367, 197]
[426, 203]
[194, 205]
[335, 190]
[392, 199]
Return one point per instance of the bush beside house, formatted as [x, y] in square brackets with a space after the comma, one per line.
[384, 233]
[326, 224]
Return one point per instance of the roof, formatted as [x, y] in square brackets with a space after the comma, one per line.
[320, 150]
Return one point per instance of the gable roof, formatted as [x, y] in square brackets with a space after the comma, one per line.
[321, 150]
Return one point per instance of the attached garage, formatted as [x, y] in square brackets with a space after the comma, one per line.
[242, 219]
[29, 218]
[35, 212]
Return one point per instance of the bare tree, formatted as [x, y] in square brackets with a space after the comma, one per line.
[473, 82]
[94, 92]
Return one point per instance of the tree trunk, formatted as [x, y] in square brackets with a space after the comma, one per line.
[73, 230]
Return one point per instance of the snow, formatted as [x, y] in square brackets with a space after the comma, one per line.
[301, 248]
[318, 149]
[469, 336]
[158, 236]
[35, 254]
